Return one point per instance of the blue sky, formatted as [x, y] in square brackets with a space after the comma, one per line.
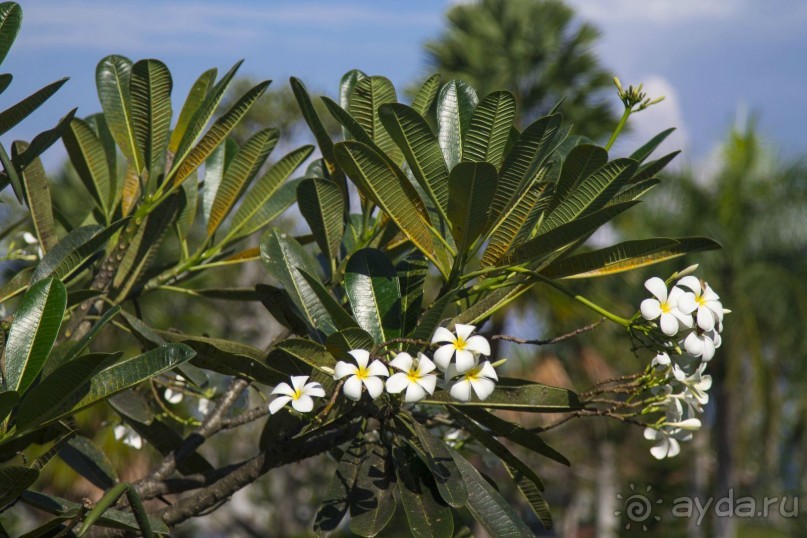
[711, 59]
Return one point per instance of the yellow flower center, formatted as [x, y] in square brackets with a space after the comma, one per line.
[700, 300]
[361, 373]
[473, 374]
[665, 307]
[459, 343]
[412, 375]
[297, 394]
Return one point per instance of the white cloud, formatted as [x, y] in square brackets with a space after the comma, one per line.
[656, 10]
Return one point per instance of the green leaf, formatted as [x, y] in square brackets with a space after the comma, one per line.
[426, 95]
[652, 168]
[471, 186]
[280, 427]
[277, 203]
[15, 479]
[279, 304]
[314, 123]
[455, 106]
[340, 317]
[267, 189]
[112, 77]
[8, 401]
[72, 253]
[634, 191]
[593, 193]
[532, 149]
[517, 395]
[89, 461]
[128, 373]
[347, 84]
[372, 504]
[216, 134]
[308, 352]
[349, 124]
[18, 112]
[16, 285]
[245, 164]
[100, 127]
[282, 255]
[33, 332]
[321, 204]
[427, 514]
[11, 175]
[373, 289]
[487, 505]
[151, 86]
[189, 204]
[412, 272]
[393, 192]
[194, 100]
[515, 221]
[627, 256]
[339, 343]
[489, 129]
[60, 389]
[39, 201]
[420, 147]
[532, 494]
[367, 95]
[582, 161]
[644, 152]
[215, 165]
[337, 498]
[10, 21]
[437, 457]
[166, 439]
[131, 405]
[43, 141]
[89, 158]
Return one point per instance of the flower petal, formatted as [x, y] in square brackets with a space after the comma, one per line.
[298, 381]
[687, 303]
[651, 434]
[691, 282]
[465, 360]
[706, 320]
[402, 361]
[461, 390]
[443, 335]
[660, 450]
[303, 404]
[674, 448]
[425, 364]
[352, 388]
[343, 369]
[120, 431]
[134, 441]
[173, 396]
[362, 356]
[669, 324]
[374, 386]
[414, 393]
[443, 355]
[464, 331]
[483, 387]
[377, 368]
[488, 371]
[657, 287]
[651, 308]
[478, 344]
[314, 389]
[428, 382]
[276, 404]
[283, 388]
[397, 383]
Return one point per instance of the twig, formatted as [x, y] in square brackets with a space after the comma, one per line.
[247, 416]
[554, 340]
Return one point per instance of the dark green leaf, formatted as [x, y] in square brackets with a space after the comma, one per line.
[517, 220]
[215, 165]
[518, 395]
[280, 427]
[652, 168]
[455, 106]
[10, 21]
[426, 94]
[367, 95]
[337, 498]
[471, 186]
[133, 406]
[412, 272]
[39, 201]
[581, 162]
[279, 304]
[340, 317]
[314, 123]
[427, 514]
[346, 86]
[15, 479]
[112, 77]
[308, 352]
[43, 141]
[18, 112]
[372, 287]
[89, 158]
[151, 86]
[372, 504]
[194, 100]
[644, 152]
[489, 129]
[437, 457]
[89, 461]
[8, 401]
[322, 206]
[338, 344]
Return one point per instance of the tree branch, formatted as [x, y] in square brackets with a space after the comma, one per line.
[554, 340]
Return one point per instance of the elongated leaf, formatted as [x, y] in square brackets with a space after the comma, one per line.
[337, 497]
[265, 189]
[489, 129]
[18, 112]
[216, 134]
[593, 193]
[195, 98]
[54, 393]
[5, 81]
[245, 164]
[11, 175]
[277, 203]
[546, 243]
[371, 502]
[279, 304]
[132, 405]
[74, 250]
[518, 395]
[282, 255]
[308, 352]
[10, 21]
[43, 141]
[373, 289]
[165, 439]
[89, 158]
[455, 106]
[89, 461]
[340, 343]
[340, 317]
[504, 235]
[33, 332]
[322, 206]
[533, 148]
[634, 191]
[412, 272]
[487, 505]
[437, 457]
[112, 77]
[532, 494]
[189, 204]
[16, 285]
[420, 148]
[393, 192]
[644, 152]
[215, 165]
[427, 514]
[367, 95]
[151, 86]
[582, 161]
[652, 168]
[314, 123]
[471, 186]
[14, 479]
[131, 192]
[349, 124]
[100, 127]
[8, 401]
[626, 256]
[426, 95]
[347, 84]
[39, 201]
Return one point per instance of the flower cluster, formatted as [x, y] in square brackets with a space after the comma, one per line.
[690, 314]
[459, 358]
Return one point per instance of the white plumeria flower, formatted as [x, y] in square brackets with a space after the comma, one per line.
[363, 374]
[701, 344]
[703, 301]
[204, 405]
[667, 441]
[299, 393]
[481, 378]
[173, 396]
[463, 345]
[665, 307]
[662, 359]
[129, 436]
[29, 238]
[417, 380]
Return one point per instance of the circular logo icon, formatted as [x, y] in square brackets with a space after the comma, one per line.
[638, 507]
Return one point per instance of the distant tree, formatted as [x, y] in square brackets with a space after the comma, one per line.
[534, 48]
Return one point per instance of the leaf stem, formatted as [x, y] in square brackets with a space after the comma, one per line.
[621, 125]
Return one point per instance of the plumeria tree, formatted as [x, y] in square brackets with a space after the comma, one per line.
[416, 237]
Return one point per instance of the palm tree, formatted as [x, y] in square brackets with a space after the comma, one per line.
[534, 48]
